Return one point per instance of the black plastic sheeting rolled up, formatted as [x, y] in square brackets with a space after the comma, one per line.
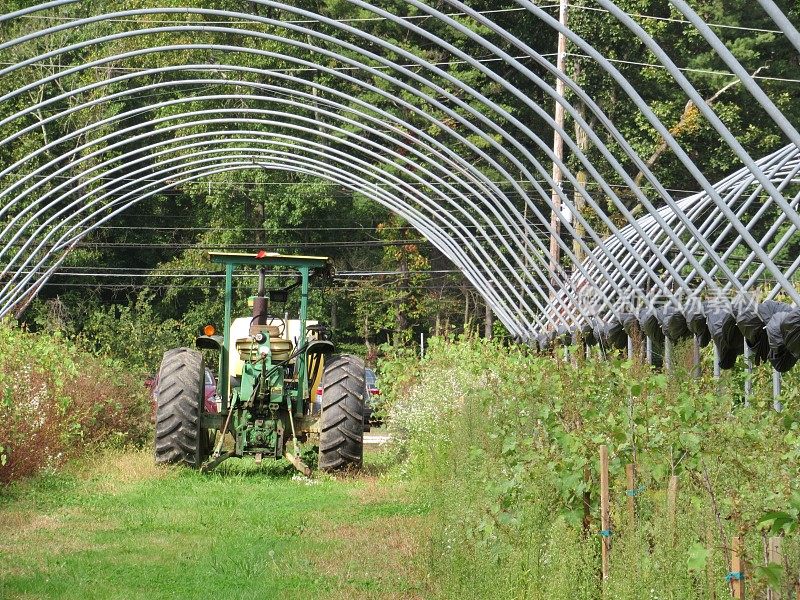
[771, 330]
[545, 340]
[611, 335]
[673, 324]
[542, 342]
[770, 308]
[649, 322]
[753, 328]
[726, 335]
[779, 355]
[564, 335]
[767, 310]
[790, 329]
[587, 333]
[630, 324]
[696, 323]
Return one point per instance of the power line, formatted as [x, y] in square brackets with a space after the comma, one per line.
[217, 275]
[674, 20]
[687, 69]
[271, 231]
[223, 247]
[305, 69]
[484, 235]
[711, 72]
[139, 286]
[497, 59]
[431, 184]
[292, 22]
[405, 18]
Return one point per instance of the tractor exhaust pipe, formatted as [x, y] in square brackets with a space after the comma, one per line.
[260, 303]
[261, 275]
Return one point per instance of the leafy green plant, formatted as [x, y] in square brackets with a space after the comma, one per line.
[783, 521]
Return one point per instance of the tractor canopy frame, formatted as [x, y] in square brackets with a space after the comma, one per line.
[303, 265]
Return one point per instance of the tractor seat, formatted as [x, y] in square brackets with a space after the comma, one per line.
[273, 330]
[280, 348]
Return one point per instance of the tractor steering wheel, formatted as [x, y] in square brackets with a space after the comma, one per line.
[279, 323]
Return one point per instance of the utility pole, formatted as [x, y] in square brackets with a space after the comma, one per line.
[558, 149]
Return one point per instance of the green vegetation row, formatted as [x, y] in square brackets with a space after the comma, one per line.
[503, 445]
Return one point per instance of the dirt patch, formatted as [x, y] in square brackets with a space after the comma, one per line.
[114, 471]
[379, 553]
[373, 491]
[15, 524]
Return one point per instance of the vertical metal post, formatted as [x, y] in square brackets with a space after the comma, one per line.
[301, 358]
[774, 556]
[777, 380]
[748, 374]
[630, 476]
[226, 340]
[630, 348]
[649, 350]
[696, 357]
[421, 345]
[716, 362]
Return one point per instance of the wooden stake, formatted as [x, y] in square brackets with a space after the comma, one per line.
[672, 499]
[630, 475]
[737, 569]
[774, 555]
[605, 517]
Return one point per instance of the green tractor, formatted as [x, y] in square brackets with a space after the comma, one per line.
[270, 370]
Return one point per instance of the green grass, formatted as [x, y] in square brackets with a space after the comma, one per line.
[121, 528]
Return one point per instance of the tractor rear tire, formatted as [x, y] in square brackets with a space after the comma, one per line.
[341, 438]
[179, 439]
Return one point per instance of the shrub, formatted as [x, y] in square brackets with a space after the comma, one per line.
[57, 402]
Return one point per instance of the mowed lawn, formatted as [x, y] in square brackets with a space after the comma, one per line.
[119, 527]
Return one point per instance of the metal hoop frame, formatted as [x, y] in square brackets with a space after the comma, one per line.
[477, 217]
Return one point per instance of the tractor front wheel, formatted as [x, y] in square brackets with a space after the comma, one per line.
[179, 404]
[341, 439]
